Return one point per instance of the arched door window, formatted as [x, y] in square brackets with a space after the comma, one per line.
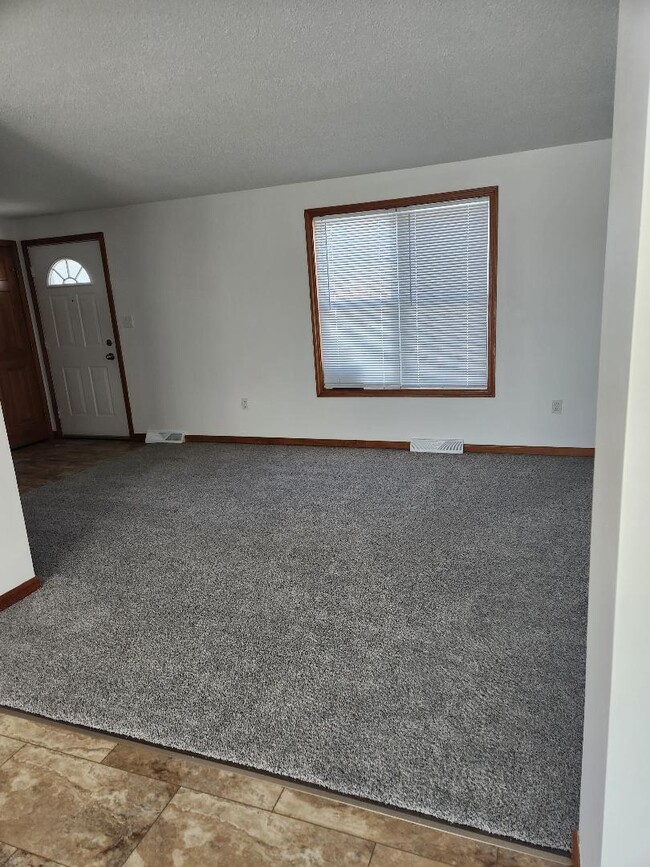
[66, 271]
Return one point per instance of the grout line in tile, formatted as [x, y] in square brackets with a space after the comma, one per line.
[311, 824]
[552, 859]
[144, 836]
[547, 859]
[433, 859]
[277, 800]
[17, 750]
[61, 727]
[57, 751]
[35, 854]
[67, 755]
[349, 833]
[389, 816]
[184, 785]
[226, 798]
[23, 744]
[109, 753]
[466, 834]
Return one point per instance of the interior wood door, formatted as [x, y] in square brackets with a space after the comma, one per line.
[79, 338]
[21, 388]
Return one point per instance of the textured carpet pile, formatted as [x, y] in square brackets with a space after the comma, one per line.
[405, 628]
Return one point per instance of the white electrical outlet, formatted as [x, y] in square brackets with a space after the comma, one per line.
[556, 407]
[244, 403]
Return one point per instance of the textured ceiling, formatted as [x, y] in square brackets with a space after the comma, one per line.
[106, 102]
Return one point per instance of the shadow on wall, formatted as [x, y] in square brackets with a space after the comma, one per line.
[32, 173]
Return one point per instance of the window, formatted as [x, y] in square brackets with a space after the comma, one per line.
[404, 295]
[66, 271]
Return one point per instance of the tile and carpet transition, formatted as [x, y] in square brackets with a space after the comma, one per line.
[409, 629]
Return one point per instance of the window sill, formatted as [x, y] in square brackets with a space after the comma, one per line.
[405, 392]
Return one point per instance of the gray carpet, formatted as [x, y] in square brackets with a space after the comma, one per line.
[405, 628]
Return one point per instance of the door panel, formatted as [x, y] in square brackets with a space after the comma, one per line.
[87, 310]
[10, 322]
[21, 390]
[74, 390]
[80, 340]
[61, 321]
[101, 391]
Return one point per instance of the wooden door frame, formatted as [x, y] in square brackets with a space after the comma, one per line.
[71, 239]
[18, 271]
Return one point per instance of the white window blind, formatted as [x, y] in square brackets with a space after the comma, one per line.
[403, 296]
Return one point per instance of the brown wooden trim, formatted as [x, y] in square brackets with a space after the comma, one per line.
[404, 202]
[98, 438]
[575, 848]
[63, 239]
[70, 239]
[17, 593]
[492, 193]
[116, 333]
[556, 451]
[30, 331]
[41, 335]
[313, 302]
[406, 392]
[299, 441]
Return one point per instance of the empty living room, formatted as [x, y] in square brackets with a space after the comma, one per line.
[324, 465]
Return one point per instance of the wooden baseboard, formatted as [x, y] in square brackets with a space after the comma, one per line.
[558, 451]
[575, 848]
[12, 596]
[566, 451]
[300, 441]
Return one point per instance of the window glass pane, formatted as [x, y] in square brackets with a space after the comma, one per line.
[67, 271]
[358, 299]
[403, 296]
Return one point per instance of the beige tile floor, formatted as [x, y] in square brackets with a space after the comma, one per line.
[72, 798]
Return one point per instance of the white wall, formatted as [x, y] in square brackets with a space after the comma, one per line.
[217, 286]
[615, 803]
[15, 558]
[7, 229]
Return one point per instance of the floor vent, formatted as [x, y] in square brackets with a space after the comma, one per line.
[165, 436]
[441, 447]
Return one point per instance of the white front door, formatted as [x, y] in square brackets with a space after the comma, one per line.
[73, 305]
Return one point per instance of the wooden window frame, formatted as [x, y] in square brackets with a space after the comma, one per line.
[492, 194]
